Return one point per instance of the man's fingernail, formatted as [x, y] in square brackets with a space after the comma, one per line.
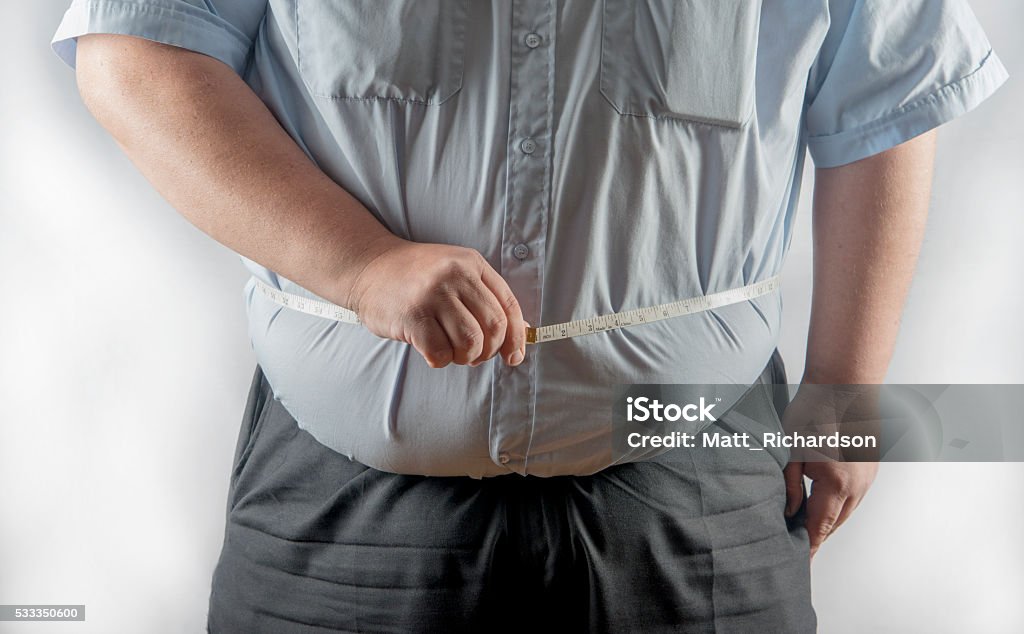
[789, 512]
[516, 358]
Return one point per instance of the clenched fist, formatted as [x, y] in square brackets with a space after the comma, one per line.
[446, 301]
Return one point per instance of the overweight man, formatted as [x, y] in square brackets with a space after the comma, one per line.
[458, 171]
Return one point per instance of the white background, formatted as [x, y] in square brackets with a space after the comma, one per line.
[124, 366]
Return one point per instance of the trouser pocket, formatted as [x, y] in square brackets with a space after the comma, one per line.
[256, 405]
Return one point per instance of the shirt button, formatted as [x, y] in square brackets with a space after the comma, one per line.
[528, 146]
[521, 251]
[503, 458]
[532, 40]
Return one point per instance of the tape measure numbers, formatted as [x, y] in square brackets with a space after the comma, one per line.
[553, 332]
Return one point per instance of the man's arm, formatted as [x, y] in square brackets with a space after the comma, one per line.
[869, 219]
[211, 147]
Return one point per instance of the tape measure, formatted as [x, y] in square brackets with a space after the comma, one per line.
[553, 332]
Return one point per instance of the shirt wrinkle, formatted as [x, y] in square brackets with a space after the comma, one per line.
[602, 156]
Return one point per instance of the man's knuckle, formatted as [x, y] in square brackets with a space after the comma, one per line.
[418, 314]
[468, 338]
[474, 256]
[494, 324]
[510, 303]
[844, 485]
[455, 270]
[437, 291]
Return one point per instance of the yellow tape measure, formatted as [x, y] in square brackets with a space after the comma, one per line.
[554, 332]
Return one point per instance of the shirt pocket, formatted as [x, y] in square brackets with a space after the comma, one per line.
[405, 50]
[693, 60]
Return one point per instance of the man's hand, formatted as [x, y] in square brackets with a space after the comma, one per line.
[446, 301]
[838, 485]
[836, 490]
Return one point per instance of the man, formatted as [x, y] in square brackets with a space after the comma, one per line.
[454, 171]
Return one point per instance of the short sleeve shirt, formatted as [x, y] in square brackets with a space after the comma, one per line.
[601, 155]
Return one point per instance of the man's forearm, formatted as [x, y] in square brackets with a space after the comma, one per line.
[211, 147]
[869, 220]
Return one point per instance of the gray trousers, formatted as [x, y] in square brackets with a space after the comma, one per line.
[690, 541]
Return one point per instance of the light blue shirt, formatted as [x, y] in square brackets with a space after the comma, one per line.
[602, 156]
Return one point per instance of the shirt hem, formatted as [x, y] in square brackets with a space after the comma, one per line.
[941, 106]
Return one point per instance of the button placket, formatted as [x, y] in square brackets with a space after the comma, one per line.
[527, 205]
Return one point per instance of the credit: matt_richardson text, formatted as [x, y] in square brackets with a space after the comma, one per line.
[743, 440]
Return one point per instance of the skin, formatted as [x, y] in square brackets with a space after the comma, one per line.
[869, 219]
[198, 133]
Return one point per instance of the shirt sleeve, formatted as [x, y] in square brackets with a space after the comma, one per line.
[888, 71]
[222, 29]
